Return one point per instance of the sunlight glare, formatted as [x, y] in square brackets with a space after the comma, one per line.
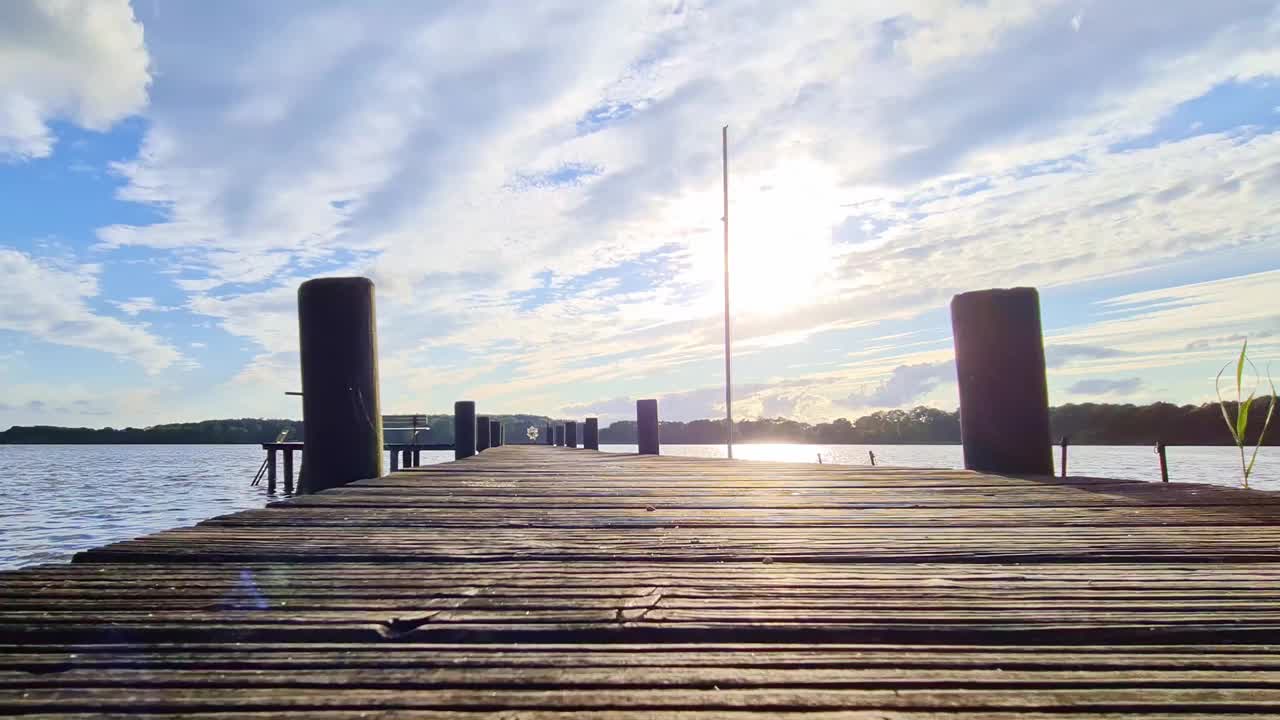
[780, 247]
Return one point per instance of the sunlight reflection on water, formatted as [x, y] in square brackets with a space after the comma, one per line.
[56, 500]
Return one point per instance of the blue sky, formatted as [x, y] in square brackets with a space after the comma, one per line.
[535, 192]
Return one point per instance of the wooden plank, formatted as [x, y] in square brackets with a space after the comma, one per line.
[1186, 700]
[46, 660]
[649, 715]
[680, 544]
[423, 517]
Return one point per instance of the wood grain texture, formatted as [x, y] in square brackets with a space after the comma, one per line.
[545, 582]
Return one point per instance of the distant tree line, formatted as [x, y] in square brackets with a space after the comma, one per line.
[1085, 424]
[212, 432]
[237, 431]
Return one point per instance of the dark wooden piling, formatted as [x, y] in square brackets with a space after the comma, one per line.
[558, 435]
[482, 433]
[591, 434]
[551, 435]
[1004, 399]
[571, 434]
[1164, 461]
[647, 426]
[1065, 442]
[271, 470]
[464, 429]
[288, 470]
[406, 458]
[495, 433]
[395, 460]
[338, 339]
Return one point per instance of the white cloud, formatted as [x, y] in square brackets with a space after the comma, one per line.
[1057, 355]
[906, 384]
[134, 306]
[48, 302]
[1104, 386]
[1183, 323]
[84, 61]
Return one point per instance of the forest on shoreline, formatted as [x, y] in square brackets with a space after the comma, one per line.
[1085, 424]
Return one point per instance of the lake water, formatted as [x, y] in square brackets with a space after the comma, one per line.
[56, 500]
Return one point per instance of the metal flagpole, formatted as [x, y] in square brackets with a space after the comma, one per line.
[728, 375]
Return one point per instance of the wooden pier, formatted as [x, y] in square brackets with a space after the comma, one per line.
[409, 451]
[548, 582]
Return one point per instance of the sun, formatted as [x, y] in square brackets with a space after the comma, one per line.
[781, 252]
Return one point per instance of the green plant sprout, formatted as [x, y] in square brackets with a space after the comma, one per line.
[1240, 425]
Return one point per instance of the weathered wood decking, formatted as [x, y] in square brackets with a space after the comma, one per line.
[548, 582]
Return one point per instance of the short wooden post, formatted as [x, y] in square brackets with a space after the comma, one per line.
[559, 436]
[872, 454]
[571, 434]
[395, 460]
[1164, 461]
[338, 339]
[647, 426]
[495, 433]
[1004, 399]
[271, 470]
[288, 470]
[406, 458]
[551, 435]
[464, 429]
[417, 457]
[482, 433]
[591, 434]
[1065, 442]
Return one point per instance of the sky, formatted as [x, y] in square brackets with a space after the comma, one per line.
[535, 190]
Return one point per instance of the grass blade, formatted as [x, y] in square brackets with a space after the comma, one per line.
[1240, 369]
[1222, 405]
[1242, 418]
[1271, 409]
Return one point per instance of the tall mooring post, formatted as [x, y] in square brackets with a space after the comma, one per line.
[647, 426]
[464, 429]
[591, 434]
[482, 433]
[551, 435]
[571, 434]
[338, 339]
[1004, 398]
[495, 433]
